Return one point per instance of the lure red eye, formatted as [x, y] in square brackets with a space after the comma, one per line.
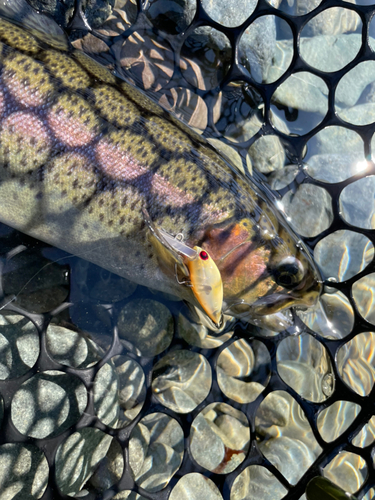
[203, 255]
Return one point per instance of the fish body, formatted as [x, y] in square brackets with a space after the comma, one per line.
[83, 155]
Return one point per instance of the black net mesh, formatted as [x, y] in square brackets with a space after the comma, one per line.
[107, 390]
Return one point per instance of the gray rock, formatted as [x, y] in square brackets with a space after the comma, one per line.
[156, 450]
[19, 345]
[24, 471]
[181, 380]
[357, 203]
[62, 12]
[348, 470]
[332, 317]
[257, 482]
[363, 292]
[71, 348]
[195, 486]
[78, 457]
[267, 154]
[331, 21]
[357, 356]
[48, 403]
[205, 57]
[303, 363]
[309, 209]
[361, 114]
[227, 12]
[171, 16]
[257, 47]
[290, 456]
[330, 52]
[148, 325]
[334, 420]
[353, 83]
[337, 167]
[343, 254]
[303, 91]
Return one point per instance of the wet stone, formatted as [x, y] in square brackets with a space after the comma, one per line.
[336, 167]
[356, 363]
[199, 335]
[333, 21]
[148, 325]
[267, 154]
[303, 363]
[357, 203]
[156, 450]
[257, 47]
[282, 178]
[285, 436]
[195, 486]
[347, 470]
[227, 12]
[48, 403]
[19, 345]
[309, 209]
[148, 60]
[335, 140]
[109, 470]
[343, 254]
[23, 471]
[363, 293]
[71, 348]
[334, 420]
[78, 458]
[181, 380]
[240, 116]
[187, 106]
[210, 50]
[227, 431]
[124, 14]
[256, 482]
[171, 16]
[366, 436]
[119, 391]
[353, 83]
[243, 370]
[304, 96]
[329, 52]
[332, 317]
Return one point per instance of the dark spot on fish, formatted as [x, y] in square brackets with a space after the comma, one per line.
[150, 256]
[122, 220]
[39, 195]
[101, 202]
[64, 192]
[137, 253]
[101, 217]
[85, 225]
[110, 222]
[90, 210]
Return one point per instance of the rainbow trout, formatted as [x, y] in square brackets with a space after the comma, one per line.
[91, 165]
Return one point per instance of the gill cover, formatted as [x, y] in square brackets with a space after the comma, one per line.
[195, 263]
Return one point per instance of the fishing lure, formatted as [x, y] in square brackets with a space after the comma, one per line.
[199, 269]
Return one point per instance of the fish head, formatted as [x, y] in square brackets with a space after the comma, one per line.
[264, 267]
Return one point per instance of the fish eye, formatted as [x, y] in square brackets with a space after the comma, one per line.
[289, 272]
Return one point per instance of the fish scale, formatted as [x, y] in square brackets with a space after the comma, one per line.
[83, 154]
